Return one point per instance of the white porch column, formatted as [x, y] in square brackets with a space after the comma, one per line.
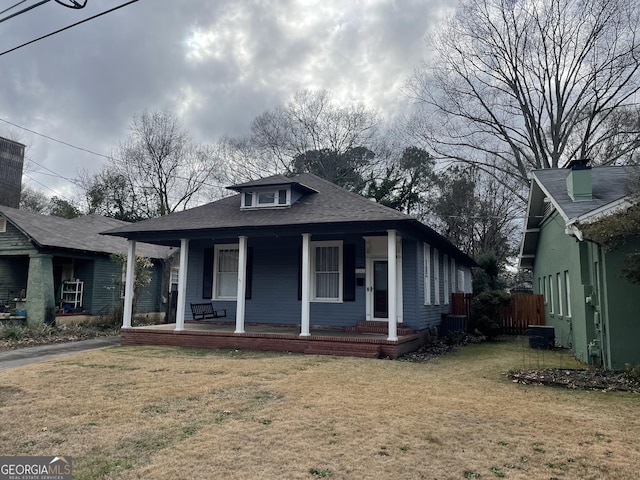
[242, 284]
[306, 274]
[128, 285]
[392, 284]
[182, 284]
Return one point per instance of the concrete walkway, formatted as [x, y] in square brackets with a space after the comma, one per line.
[29, 355]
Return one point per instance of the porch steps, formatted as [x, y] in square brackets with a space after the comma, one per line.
[347, 350]
[380, 328]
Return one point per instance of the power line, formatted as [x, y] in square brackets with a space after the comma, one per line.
[55, 139]
[57, 194]
[74, 4]
[86, 150]
[68, 27]
[52, 173]
[24, 10]
[12, 6]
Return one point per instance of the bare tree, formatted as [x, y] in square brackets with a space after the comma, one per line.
[312, 122]
[110, 194]
[476, 211]
[523, 84]
[33, 200]
[163, 166]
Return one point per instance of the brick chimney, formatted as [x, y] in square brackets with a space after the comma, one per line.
[579, 186]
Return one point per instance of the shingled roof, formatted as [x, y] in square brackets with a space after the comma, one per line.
[327, 203]
[609, 185]
[322, 203]
[78, 234]
[549, 188]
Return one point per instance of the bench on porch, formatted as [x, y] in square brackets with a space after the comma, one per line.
[202, 311]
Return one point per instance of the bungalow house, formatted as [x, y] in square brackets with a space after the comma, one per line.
[309, 258]
[587, 300]
[56, 267]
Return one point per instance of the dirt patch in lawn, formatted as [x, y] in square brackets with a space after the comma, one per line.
[585, 379]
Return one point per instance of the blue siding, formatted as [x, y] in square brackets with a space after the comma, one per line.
[411, 283]
[14, 242]
[14, 262]
[275, 285]
[429, 316]
[151, 297]
[103, 287]
[194, 279]
[274, 296]
[83, 270]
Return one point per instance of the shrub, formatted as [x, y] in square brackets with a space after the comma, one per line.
[12, 332]
[485, 308]
[632, 370]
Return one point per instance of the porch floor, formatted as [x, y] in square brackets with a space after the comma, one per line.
[323, 341]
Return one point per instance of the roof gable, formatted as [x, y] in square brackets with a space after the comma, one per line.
[609, 185]
[549, 189]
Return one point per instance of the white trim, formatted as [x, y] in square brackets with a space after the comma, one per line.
[216, 250]
[392, 269]
[567, 284]
[605, 210]
[331, 243]
[560, 297]
[128, 289]
[182, 284]
[306, 274]
[436, 276]
[3, 225]
[377, 249]
[445, 271]
[552, 303]
[550, 197]
[426, 273]
[242, 283]
[399, 291]
[275, 190]
[174, 277]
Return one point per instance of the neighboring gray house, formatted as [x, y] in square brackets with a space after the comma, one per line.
[52, 266]
[302, 251]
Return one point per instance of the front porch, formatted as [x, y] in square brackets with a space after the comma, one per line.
[361, 341]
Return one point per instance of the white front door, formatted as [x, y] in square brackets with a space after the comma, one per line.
[377, 288]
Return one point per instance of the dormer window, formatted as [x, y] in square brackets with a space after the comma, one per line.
[267, 198]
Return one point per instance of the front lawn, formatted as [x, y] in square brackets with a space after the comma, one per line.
[167, 413]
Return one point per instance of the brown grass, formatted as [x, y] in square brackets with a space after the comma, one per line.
[167, 413]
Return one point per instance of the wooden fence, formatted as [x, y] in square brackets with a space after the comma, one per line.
[525, 309]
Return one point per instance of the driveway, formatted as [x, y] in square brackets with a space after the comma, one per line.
[27, 356]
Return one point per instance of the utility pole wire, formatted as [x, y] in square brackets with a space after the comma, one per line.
[68, 27]
[24, 10]
[55, 139]
[12, 6]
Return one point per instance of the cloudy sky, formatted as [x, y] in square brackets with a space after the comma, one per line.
[216, 64]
